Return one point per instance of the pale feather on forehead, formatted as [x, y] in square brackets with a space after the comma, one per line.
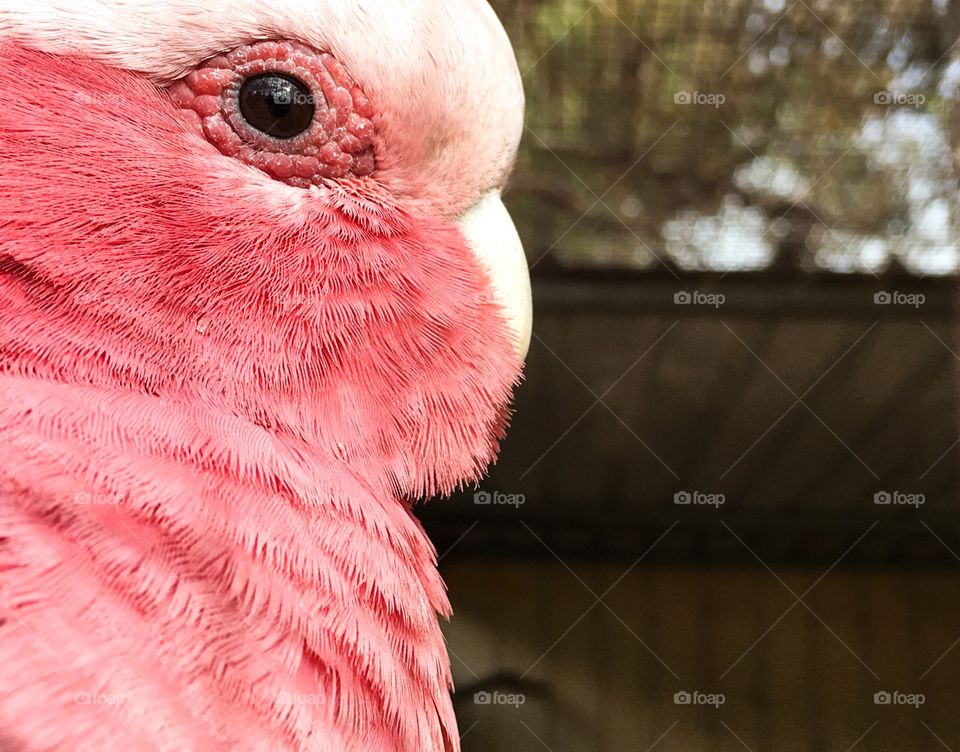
[441, 73]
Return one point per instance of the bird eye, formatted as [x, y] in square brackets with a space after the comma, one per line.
[279, 105]
[285, 108]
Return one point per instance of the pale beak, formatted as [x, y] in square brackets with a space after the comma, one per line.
[492, 236]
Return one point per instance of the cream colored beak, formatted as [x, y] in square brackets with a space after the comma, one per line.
[492, 236]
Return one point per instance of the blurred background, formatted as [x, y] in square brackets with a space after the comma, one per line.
[726, 515]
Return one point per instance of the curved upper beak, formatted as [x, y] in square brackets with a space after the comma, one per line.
[492, 236]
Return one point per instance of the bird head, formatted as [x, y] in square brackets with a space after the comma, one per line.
[289, 210]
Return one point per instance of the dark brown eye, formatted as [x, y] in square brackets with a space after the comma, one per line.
[278, 105]
[285, 108]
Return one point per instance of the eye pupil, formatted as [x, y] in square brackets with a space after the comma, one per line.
[278, 105]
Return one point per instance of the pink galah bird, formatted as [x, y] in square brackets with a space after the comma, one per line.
[258, 292]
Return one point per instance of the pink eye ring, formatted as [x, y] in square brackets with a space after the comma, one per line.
[284, 108]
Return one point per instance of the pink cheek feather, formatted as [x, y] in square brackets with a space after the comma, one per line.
[133, 209]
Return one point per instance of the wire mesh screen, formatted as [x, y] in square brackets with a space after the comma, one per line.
[738, 135]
